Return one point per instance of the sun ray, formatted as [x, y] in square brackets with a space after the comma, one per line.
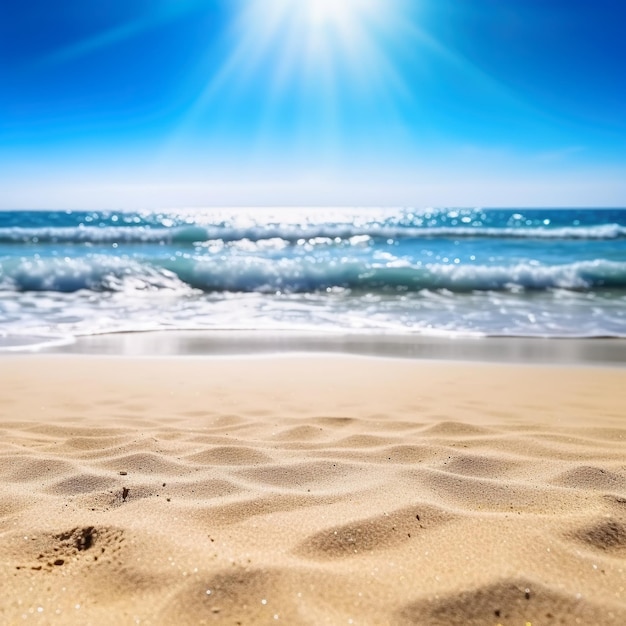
[119, 33]
[311, 50]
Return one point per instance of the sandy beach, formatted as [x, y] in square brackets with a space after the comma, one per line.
[310, 490]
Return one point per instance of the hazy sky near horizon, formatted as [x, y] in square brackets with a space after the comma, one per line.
[173, 103]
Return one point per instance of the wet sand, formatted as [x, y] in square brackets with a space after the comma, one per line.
[310, 490]
[565, 351]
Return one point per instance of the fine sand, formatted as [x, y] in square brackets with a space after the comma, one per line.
[310, 490]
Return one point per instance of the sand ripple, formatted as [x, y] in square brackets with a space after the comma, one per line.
[146, 505]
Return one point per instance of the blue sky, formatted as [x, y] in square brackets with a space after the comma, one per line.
[170, 103]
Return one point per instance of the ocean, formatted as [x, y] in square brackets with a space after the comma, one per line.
[444, 272]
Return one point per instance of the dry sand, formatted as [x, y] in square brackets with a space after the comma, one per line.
[310, 490]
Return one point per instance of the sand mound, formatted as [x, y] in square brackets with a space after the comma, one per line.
[510, 602]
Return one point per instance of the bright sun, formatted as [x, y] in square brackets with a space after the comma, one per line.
[299, 36]
[308, 49]
[334, 15]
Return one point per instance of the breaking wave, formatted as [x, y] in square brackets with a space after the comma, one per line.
[233, 273]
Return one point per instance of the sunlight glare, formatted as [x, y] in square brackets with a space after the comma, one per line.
[333, 13]
[323, 55]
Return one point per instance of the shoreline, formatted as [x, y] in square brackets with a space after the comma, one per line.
[541, 351]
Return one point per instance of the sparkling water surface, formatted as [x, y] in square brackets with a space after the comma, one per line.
[471, 272]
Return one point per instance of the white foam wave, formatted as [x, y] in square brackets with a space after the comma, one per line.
[302, 274]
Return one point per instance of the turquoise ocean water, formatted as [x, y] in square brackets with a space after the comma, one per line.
[474, 272]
